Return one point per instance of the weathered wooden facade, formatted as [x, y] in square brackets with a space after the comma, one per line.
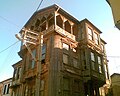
[72, 57]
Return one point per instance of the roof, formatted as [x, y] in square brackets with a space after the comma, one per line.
[108, 2]
[55, 7]
[115, 74]
[103, 41]
[19, 62]
[87, 21]
[6, 80]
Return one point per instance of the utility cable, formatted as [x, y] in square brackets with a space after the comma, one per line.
[113, 56]
[39, 5]
[9, 21]
[9, 46]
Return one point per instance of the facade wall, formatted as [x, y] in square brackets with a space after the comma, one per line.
[65, 64]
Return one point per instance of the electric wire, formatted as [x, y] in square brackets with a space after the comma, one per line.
[16, 26]
[113, 56]
[39, 5]
[9, 21]
[9, 46]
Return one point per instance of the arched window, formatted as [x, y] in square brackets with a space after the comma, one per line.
[59, 21]
[50, 20]
[67, 27]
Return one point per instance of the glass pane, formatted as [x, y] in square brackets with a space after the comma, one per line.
[76, 86]
[99, 60]
[89, 31]
[96, 36]
[76, 94]
[90, 34]
[75, 63]
[93, 65]
[33, 64]
[43, 56]
[100, 69]
[66, 83]
[65, 58]
[90, 37]
[65, 46]
[96, 42]
[66, 93]
[42, 85]
[34, 52]
[92, 56]
[44, 48]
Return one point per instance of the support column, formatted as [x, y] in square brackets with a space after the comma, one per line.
[71, 29]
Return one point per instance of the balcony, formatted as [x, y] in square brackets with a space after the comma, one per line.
[30, 73]
[64, 33]
[15, 83]
[60, 31]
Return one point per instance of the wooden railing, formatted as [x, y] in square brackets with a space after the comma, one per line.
[65, 33]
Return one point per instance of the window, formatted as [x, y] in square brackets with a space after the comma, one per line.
[26, 91]
[15, 74]
[66, 87]
[76, 88]
[74, 49]
[75, 63]
[4, 90]
[106, 71]
[96, 38]
[37, 23]
[33, 61]
[92, 60]
[42, 85]
[90, 34]
[65, 58]
[19, 73]
[65, 46]
[33, 91]
[103, 48]
[8, 88]
[82, 35]
[99, 64]
[84, 60]
[43, 53]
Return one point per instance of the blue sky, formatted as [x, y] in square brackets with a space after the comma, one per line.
[15, 13]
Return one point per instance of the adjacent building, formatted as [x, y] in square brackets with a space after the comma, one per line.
[115, 6]
[5, 89]
[70, 62]
[115, 84]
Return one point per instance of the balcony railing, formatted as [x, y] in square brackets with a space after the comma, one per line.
[15, 83]
[65, 33]
[30, 73]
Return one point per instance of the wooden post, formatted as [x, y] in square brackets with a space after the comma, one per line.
[38, 75]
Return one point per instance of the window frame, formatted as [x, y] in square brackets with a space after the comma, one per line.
[96, 38]
[67, 58]
[32, 62]
[99, 59]
[75, 60]
[66, 90]
[92, 58]
[65, 46]
[90, 33]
